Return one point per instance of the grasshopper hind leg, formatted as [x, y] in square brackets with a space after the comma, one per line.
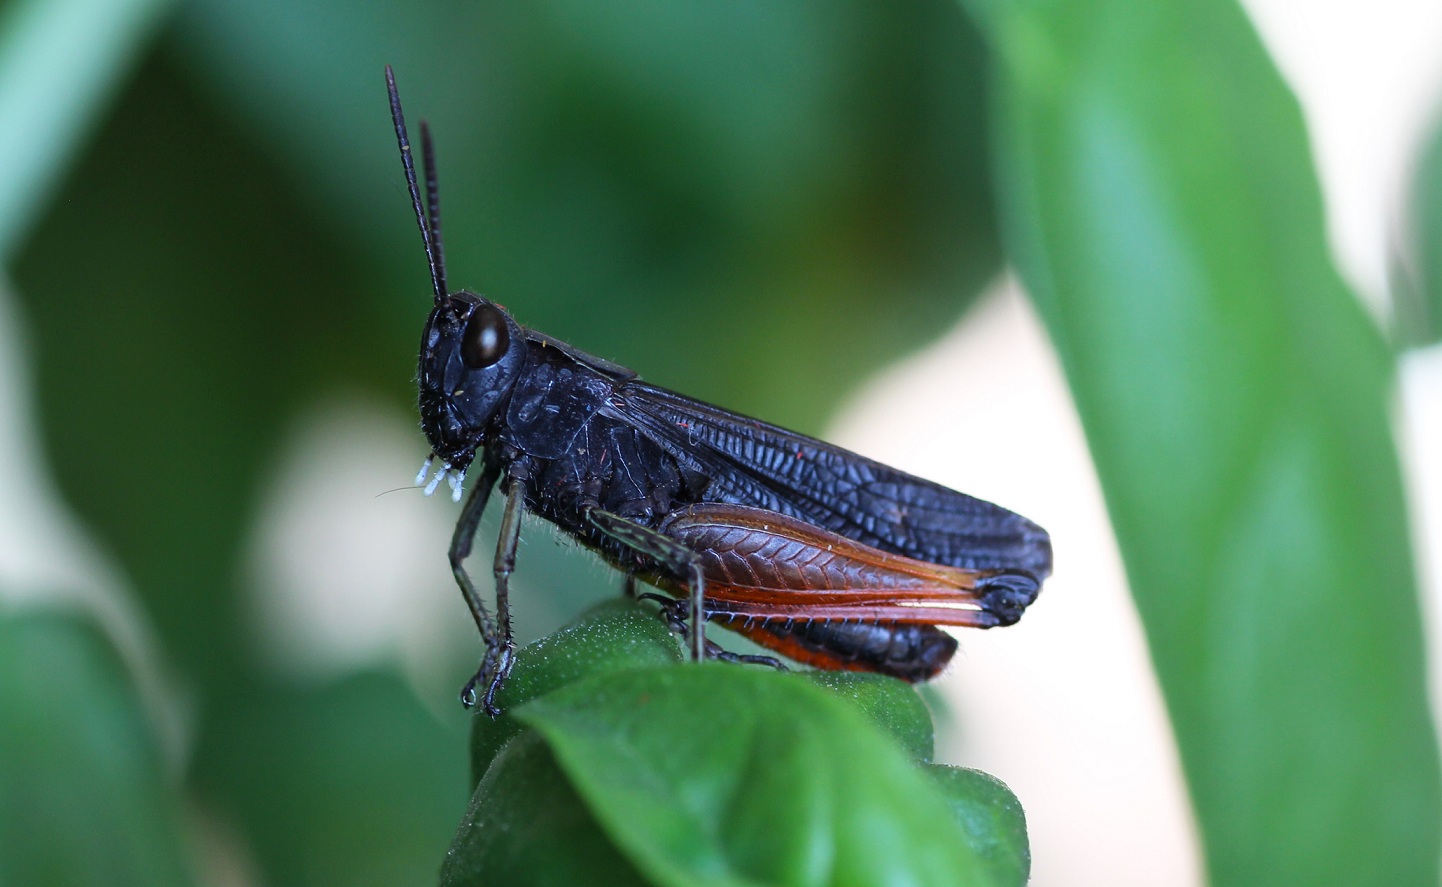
[674, 612]
[676, 557]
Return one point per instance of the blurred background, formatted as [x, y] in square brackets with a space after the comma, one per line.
[229, 643]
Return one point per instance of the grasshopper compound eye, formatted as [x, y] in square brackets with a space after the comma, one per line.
[486, 338]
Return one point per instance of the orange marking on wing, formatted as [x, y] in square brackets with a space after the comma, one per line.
[760, 563]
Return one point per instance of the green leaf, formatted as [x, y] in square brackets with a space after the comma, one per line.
[353, 783]
[183, 344]
[1160, 202]
[726, 776]
[614, 635]
[894, 706]
[59, 62]
[991, 817]
[525, 823]
[84, 798]
[620, 634]
[185, 290]
[527, 826]
[1419, 299]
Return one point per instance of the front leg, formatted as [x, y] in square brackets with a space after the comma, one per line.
[676, 557]
[500, 645]
[462, 540]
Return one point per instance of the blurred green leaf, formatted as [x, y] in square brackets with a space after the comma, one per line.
[235, 240]
[60, 60]
[84, 798]
[1418, 304]
[725, 775]
[1161, 204]
[208, 310]
[195, 327]
[351, 783]
[800, 184]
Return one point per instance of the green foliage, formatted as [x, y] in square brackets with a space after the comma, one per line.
[992, 819]
[886, 704]
[84, 799]
[609, 637]
[707, 770]
[354, 782]
[60, 60]
[673, 186]
[1418, 302]
[1163, 211]
[526, 825]
[719, 775]
[232, 242]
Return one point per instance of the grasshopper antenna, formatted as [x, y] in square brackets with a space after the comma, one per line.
[429, 223]
[433, 206]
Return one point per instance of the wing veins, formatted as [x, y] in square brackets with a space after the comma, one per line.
[727, 447]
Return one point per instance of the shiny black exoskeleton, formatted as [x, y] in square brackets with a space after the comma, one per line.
[608, 458]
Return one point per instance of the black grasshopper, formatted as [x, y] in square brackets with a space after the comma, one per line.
[815, 552]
